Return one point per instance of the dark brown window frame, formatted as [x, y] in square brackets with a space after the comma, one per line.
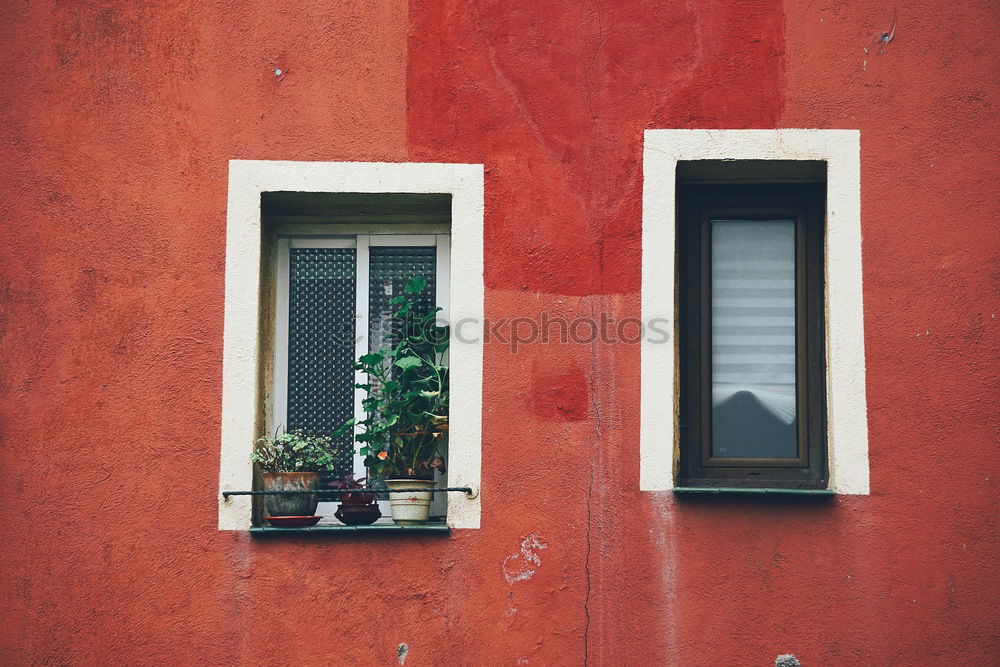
[697, 206]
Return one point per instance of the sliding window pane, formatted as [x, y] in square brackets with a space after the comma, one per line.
[390, 267]
[321, 296]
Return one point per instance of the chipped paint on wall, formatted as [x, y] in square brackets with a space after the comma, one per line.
[521, 566]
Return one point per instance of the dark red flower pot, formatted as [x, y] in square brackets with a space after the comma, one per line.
[358, 514]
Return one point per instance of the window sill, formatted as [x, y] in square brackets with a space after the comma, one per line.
[427, 528]
[717, 490]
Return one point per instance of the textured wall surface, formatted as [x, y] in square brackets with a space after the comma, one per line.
[118, 121]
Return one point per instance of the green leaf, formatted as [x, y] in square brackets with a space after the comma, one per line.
[408, 362]
[430, 316]
[415, 285]
[372, 359]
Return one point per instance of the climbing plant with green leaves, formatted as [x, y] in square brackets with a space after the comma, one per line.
[406, 407]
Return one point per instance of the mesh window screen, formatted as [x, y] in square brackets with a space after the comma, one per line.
[321, 327]
[389, 269]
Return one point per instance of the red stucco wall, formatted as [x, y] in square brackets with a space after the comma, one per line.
[118, 121]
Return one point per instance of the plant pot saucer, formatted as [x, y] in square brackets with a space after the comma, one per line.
[293, 521]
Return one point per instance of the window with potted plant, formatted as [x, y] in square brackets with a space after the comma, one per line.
[293, 462]
[406, 409]
[315, 252]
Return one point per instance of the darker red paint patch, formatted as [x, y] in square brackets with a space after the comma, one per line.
[559, 395]
[553, 99]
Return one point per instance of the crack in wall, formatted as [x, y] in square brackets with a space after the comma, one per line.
[590, 68]
[595, 453]
[592, 380]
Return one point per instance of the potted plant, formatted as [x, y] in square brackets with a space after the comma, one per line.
[357, 507]
[406, 410]
[293, 462]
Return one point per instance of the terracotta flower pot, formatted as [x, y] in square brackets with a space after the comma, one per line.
[298, 505]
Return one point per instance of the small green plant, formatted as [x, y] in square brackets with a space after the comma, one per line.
[294, 452]
[406, 410]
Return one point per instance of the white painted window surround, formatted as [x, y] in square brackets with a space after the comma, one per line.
[847, 421]
[242, 338]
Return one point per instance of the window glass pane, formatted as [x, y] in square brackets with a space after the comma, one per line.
[753, 339]
[389, 268]
[321, 298]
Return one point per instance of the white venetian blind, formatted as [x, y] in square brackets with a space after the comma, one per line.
[753, 338]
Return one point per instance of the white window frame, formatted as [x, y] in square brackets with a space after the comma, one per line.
[847, 414]
[463, 255]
